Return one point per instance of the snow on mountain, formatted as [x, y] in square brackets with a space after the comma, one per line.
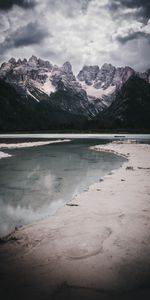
[41, 80]
[28, 93]
[26, 74]
[103, 83]
[98, 93]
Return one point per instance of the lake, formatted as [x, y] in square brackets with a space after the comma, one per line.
[36, 182]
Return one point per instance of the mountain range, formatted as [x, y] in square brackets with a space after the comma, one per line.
[36, 95]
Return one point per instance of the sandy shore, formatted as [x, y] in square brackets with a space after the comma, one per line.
[99, 248]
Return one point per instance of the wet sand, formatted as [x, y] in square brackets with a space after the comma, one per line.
[97, 248]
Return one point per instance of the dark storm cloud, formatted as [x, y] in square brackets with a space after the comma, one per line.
[8, 4]
[31, 34]
[142, 5]
[134, 12]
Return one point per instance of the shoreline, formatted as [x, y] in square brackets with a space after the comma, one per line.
[100, 246]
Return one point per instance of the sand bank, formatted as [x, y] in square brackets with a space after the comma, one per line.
[3, 154]
[27, 145]
[99, 248]
[31, 144]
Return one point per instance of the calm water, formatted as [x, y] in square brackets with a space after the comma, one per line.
[35, 182]
[140, 137]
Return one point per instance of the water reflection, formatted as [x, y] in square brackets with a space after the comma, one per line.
[36, 182]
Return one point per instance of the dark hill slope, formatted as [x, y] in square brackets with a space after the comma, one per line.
[23, 113]
[131, 108]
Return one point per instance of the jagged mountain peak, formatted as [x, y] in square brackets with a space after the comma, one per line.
[12, 61]
[88, 73]
[39, 79]
[33, 58]
[38, 62]
[19, 62]
[95, 87]
[67, 67]
[128, 68]
[107, 67]
[91, 67]
[44, 63]
[67, 70]
[37, 83]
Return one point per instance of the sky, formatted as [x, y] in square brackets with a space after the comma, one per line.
[84, 32]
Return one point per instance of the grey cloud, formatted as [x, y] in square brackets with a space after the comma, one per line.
[135, 54]
[30, 34]
[84, 31]
[69, 7]
[132, 36]
[8, 4]
[84, 4]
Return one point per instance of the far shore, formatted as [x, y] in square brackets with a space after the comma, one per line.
[98, 247]
[82, 131]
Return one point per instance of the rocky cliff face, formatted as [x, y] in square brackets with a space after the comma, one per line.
[94, 88]
[90, 93]
[103, 83]
[40, 79]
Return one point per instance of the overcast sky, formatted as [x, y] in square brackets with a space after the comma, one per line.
[81, 31]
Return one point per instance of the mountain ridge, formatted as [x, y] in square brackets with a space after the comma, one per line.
[86, 96]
